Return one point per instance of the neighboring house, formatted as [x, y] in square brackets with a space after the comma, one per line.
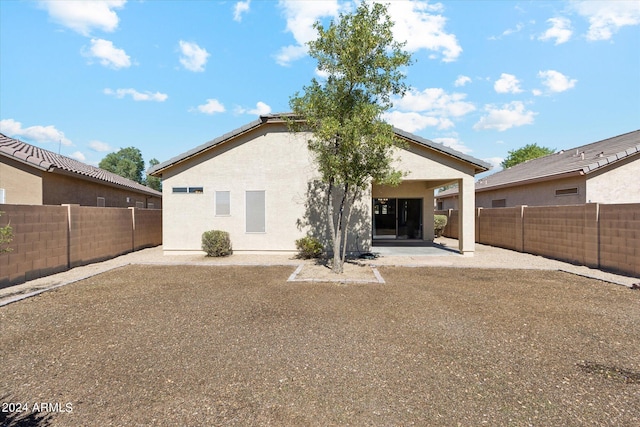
[602, 172]
[30, 175]
[259, 183]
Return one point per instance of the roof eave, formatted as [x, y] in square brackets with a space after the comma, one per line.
[65, 172]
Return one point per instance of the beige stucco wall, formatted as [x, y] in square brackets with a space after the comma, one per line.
[22, 184]
[276, 162]
[273, 160]
[62, 189]
[537, 194]
[617, 183]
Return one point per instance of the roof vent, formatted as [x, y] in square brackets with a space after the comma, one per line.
[582, 156]
[600, 154]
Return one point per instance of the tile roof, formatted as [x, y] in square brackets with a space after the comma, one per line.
[49, 161]
[480, 165]
[581, 160]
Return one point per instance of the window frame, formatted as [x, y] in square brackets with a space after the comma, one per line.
[263, 229]
[216, 206]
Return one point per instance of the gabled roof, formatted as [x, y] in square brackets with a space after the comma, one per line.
[49, 161]
[582, 160]
[480, 165]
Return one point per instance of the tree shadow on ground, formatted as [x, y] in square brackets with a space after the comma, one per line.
[25, 418]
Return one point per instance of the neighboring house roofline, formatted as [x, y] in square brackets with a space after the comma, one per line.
[577, 161]
[48, 161]
[480, 165]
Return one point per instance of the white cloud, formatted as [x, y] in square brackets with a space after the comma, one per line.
[83, 16]
[422, 27]
[454, 143]
[260, 110]
[211, 107]
[555, 81]
[462, 80]
[300, 16]
[14, 128]
[99, 146]
[508, 31]
[502, 118]
[560, 31]
[108, 54]
[495, 162]
[607, 17]
[437, 101]
[240, 8]
[507, 83]
[193, 56]
[137, 96]
[78, 156]
[413, 122]
[432, 107]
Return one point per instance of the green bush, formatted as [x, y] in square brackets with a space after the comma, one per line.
[308, 247]
[216, 243]
[6, 236]
[439, 223]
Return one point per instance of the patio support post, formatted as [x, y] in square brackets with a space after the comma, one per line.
[427, 216]
[466, 216]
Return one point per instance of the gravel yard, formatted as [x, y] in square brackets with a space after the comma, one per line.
[239, 345]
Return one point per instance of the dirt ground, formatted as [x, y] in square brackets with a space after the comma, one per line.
[232, 345]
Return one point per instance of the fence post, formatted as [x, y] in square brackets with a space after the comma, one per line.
[519, 228]
[133, 228]
[591, 234]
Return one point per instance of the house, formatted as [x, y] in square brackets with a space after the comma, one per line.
[259, 183]
[601, 172]
[30, 175]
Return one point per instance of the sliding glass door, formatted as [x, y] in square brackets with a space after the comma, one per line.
[397, 218]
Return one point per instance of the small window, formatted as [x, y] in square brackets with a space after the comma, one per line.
[255, 213]
[140, 205]
[440, 205]
[196, 190]
[150, 205]
[180, 189]
[223, 203]
[101, 202]
[1, 195]
[567, 191]
[499, 203]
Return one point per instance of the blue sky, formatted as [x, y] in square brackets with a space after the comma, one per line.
[89, 78]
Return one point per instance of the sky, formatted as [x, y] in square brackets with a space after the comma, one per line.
[86, 78]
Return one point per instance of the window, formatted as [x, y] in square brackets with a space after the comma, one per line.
[140, 205]
[1, 195]
[150, 205]
[101, 202]
[191, 190]
[255, 214]
[567, 191]
[499, 203]
[223, 203]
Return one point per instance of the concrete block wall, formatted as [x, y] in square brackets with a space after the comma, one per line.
[556, 232]
[97, 234]
[592, 234]
[147, 228]
[620, 238]
[50, 239]
[39, 246]
[497, 227]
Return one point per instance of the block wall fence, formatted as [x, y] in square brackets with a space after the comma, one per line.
[604, 236]
[51, 239]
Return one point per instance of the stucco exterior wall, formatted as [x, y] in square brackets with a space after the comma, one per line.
[22, 184]
[276, 162]
[536, 194]
[615, 184]
[271, 159]
[63, 189]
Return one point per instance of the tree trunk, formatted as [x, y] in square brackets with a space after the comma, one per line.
[348, 222]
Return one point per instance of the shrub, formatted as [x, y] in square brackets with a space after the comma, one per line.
[439, 223]
[216, 243]
[308, 247]
[6, 236]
